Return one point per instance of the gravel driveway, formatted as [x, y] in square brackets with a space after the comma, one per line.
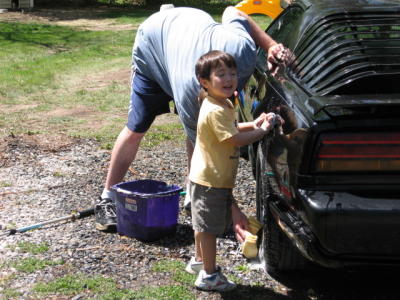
[45, 177]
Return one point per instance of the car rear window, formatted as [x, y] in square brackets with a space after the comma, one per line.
[350, 53]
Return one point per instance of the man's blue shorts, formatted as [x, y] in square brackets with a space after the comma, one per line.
[148, 100]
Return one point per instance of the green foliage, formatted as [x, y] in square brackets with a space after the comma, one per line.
[32, 248]
[171, 292]
[9, 293]
[176, 269]
[161, 133]
[106, 289]
[5, 183]
[165, 265]
[118, 294]
[243, 268]
[131, 16]
[46, 62]
[213, 7]
[157, 3]
[71, 284]
[34, 55]
[30, 264]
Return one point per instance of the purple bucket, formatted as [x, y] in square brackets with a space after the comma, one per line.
[147, 209]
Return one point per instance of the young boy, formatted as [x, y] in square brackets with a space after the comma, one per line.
[214, 163]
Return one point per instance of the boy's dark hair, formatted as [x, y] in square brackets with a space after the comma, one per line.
[209, 61]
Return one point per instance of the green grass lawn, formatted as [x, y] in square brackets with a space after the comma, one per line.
[48, 70]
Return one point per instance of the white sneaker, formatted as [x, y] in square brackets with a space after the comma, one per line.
[214, 282]
[193, 266]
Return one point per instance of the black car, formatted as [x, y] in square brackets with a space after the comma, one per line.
[328, 180]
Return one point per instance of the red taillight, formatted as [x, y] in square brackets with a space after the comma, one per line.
[347, 152]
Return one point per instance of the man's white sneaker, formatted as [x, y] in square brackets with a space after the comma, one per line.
[214, 282]
[193, 266]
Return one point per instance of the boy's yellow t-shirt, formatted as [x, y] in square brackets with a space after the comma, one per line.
[215, 161]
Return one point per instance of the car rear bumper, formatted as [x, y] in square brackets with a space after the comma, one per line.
[337, 229]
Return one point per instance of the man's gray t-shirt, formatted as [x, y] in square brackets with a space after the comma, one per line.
[169, 43]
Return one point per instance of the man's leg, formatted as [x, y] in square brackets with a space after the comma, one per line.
[123, 153]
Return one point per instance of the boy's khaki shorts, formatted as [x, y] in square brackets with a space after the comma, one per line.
[211, 208]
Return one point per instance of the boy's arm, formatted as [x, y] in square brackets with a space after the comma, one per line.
[250, 132]
[247, 137]
[240, 223]
[246, 126]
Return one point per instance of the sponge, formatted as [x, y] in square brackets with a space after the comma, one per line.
[249, 246]
[254, 225]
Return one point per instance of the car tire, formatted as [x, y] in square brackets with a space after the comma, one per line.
[261, 189]
[276, 251]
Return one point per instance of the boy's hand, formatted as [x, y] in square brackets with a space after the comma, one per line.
[265, 126]
[240, 223]
[260, 119]
[269, 122]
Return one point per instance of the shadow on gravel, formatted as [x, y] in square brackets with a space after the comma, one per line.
[183, 237]
[342, 285]
[243, 292]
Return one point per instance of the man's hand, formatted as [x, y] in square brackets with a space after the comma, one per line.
[277, 55]
[240, 223]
